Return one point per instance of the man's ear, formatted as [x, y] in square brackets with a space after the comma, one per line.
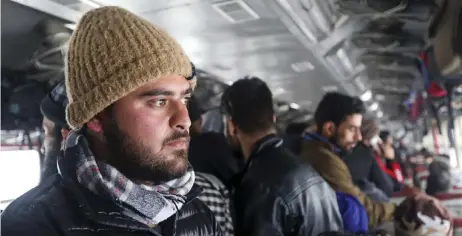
[328, 129]
[231, 127]
[95, 125]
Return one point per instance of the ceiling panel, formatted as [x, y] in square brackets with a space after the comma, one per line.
[141, 6]
[263, 48]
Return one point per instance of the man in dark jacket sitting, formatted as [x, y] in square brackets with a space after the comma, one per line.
[276, 194]
[124, 167]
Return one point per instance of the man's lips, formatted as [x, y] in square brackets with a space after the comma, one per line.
[181, 143]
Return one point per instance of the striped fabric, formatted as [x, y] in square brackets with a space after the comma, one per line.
[216, 196]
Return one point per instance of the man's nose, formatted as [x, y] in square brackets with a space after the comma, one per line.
[180, 119]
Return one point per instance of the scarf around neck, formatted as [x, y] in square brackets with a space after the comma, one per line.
[149, 205]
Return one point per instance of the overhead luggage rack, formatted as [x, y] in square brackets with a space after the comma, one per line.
[372, 7]
[371, 57]
[403, 42]
[316, 18]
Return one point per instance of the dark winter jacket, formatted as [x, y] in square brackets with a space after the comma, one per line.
[62, 207]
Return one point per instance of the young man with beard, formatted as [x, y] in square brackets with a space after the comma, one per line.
[276, 194]
[339, 119]
[124, 169]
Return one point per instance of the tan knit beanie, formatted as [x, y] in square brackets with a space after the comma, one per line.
[112, 53]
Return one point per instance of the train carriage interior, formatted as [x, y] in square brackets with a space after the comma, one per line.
[402, 58]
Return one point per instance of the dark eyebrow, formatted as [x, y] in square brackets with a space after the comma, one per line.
[161, 92]
[187, 91]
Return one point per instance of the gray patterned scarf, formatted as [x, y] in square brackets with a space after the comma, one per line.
[149, 205]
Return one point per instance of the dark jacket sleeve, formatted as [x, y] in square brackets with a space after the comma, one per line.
[318, 203]
[309, 210]
[26, 222]
[381, 179]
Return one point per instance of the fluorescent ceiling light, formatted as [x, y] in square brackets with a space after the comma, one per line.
[91, 3]
[294, 106]
[374, 106]
[380, 97]
[302, 66]
[70, 26]
[279, 91]
[366, 96]
[344, 59]
[380, 114]
[329, 88]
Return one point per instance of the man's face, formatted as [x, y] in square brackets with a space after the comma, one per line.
[51, 142]
[147, 131]
[348, 133]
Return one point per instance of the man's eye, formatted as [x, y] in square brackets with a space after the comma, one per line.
[159, 102]
[186, 100]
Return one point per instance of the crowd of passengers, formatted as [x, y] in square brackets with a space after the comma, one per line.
[125, 154]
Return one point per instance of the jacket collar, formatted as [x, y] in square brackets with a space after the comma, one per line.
[317, 137]
[269, 141]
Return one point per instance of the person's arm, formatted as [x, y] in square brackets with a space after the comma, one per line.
[309, 210]
[317, 205]
[381, 179]
[336, 173]
[26, 224]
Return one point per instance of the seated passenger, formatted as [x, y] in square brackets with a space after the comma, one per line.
[124, 169]
[339, 118]
[385, 156]
[276, 193]
[365, 172]
[439, 178]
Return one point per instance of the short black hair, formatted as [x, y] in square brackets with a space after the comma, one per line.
[384, 134]
[249, 103]
[297, 128]
[336, 107]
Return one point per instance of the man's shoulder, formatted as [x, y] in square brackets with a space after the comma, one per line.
[195, 214]
[36, 206]
[315, 146]
[289, 174]
[35, 197]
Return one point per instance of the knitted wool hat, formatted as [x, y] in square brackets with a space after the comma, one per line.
[113, 52]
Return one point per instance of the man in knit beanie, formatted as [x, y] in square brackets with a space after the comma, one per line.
[123, 169]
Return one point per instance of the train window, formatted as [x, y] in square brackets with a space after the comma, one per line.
[19, 172]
